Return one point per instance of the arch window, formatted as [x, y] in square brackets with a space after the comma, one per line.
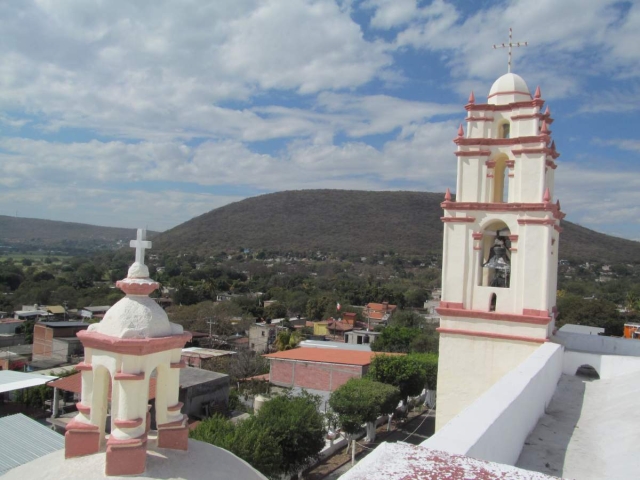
[500, 180]
[504, 130]
[495, 261]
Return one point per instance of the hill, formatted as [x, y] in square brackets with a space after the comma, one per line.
[358, 222]
[50, 233]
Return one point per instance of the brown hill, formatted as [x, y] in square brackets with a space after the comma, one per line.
[345, 221]
[34, 231]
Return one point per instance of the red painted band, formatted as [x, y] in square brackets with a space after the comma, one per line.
[498, 336]
[84, 409]
[473, 107]
[500, 317]
[539, 139]
[458, 219]
[128, 423]
[83, 367]
[477, 153]
[536, 221]
[132, 346]
[128, 376]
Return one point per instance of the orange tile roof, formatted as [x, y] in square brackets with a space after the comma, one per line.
[324, 355]
[73, 383]
[381, 307]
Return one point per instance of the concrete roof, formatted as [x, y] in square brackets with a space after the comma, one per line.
[584, 329]
[24, 440]
[10, 380]
[401, 461]
[335, 345]
[206, 352]
[202, 460]
[346, 357]
[191, 376]
[590, 430]
[63, 324]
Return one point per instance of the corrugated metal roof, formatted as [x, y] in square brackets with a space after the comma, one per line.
[24, 440]
[10, 380]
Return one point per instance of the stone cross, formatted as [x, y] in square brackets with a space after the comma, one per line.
[509, 45]
[140, 244]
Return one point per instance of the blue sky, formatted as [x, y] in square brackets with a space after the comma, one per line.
[152, 112]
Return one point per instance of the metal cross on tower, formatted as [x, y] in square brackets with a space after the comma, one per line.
[140, 244]
[510, 45]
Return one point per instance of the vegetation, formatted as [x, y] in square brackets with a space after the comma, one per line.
[395, 339]
[409, 373]
[352, 222]
[284, 436]
[362, 401]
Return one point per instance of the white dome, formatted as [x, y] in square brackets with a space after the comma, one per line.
[136, 316]
[509, 88]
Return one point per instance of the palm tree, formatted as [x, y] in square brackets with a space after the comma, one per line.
[287, 340]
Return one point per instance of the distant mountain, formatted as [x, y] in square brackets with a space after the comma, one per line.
[49, 233]
[360, 222]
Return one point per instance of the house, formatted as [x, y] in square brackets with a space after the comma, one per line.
[375, 313]
[57, 341]
[94, 312]
[195, 356]
[317, 369]
[361, 337]
[262, 336]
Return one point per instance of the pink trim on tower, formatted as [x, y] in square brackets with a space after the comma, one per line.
[132, 346]
[497, 316]
[474, 153]
[535, 313]
[499, 336]
[83, 367]
[490, 163]
[84, 409]
[134, 288]
[510, 163]
[504, 207]
[175, 408]
[512, 92]
[513, 238]
[128, 423]
[479, 107]
[451, 304]
[128, 376]
[474, 142]
[458, 219]
[479, 119]
[536, 221]
[179, 365]
[477, 235]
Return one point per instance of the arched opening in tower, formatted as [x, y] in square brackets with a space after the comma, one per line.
[495, 259]
[501, 180]
[587, 371]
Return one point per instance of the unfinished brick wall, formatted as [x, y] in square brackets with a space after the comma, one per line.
[312, 375]
[42, 340]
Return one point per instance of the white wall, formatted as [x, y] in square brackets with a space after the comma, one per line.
[496, 425]
[607, 366]
[598, 344]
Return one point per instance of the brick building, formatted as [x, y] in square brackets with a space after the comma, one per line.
[317, 368]
[57, 340]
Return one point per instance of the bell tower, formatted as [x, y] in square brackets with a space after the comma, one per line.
[500, 252]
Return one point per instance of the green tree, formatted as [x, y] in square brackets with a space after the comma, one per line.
[275, 310]
[286, 340]
[406, 318]
[592, 312]
[410, 373]
[362, 401]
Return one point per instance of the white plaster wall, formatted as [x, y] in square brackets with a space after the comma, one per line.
[495, 326]
[468, 366]
[607, 366]
[598, 344]
[531, 176]
[454, 265]
[496, 425]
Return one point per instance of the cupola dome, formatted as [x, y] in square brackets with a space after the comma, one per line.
[509, 88]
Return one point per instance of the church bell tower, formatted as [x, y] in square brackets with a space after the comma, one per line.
[500, 252]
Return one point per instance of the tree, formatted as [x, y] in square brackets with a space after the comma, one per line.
[275, 310]
[297, 426]
[286, 340]
[410, 373]
[592, 312]
[396, 339]
[247, 363]
[362, 400]
[406, 318]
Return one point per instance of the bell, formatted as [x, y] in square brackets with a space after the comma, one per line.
[499, 259]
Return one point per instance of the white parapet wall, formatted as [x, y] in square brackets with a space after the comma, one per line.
[496, 425]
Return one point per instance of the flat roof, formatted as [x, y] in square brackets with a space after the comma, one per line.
[23, 440]
[10, 380]
[335, 345]
[583, 329]
[206, 352]
[590, 430]
[64, 324]
[346, 357]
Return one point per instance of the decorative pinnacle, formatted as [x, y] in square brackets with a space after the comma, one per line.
[547, 196]
[558, 204]
[472, 97]
[460, 131]
[447, 195]
[537, 94]
[547, 111]
[544, 130]
[553, 145]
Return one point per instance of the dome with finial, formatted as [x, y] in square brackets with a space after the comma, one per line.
[509, 88]
[137, 315]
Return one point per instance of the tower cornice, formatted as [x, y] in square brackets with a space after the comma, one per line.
[505, 207]
[500, 142]
[536, 102]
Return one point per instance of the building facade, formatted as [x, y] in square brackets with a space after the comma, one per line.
[500, 248]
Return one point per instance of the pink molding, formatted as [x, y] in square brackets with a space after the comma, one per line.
[458, 219]
[76, 426]
[512, 92]
[478, 107]
[510, 163]
[505, 207]
[551, 164]
[177, 424]
[513, 238]
[175, 438]
[474, 153]
[477, 235]
[512, 175]
[451, 305]
[84, 409]
[497, 316]
[83, 367]
[479, 119]
[126, 457]
[499, 336]
[537, 94]
[460, 131]
[513, 249]
[490, 175]
[536, 221]
[472, 98]
[535, 313]
[557, 228]
[475, 142]
[128, 423]
[179, 365]
[135, 288]
[447, 195]
[477, 247]
[490, 163]
[175, 408]
[132, 346]
[128, 376]
[527, 116]
[78, 443]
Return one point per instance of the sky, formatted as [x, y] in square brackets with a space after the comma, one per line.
[149, 113]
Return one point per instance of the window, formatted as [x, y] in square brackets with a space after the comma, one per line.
[505, 130]
[492, 303]
[263, 333]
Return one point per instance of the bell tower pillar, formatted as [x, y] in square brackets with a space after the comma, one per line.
[500, 251]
